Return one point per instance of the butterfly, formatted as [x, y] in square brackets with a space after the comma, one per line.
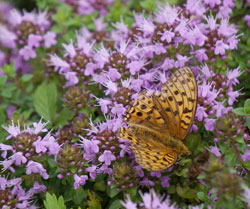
[159, 122]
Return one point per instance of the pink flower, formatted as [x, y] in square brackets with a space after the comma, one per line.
[215, 150]
[79, 180]
[107, 157]
[220, 47]
[49, 39]
[167, 36]
[212, 3]
[34, 167]
[246, 155]
[34, 40]
[12, 130]
[247, 19]
[18, 158]
[90, 149]
[209, 124]
[27, 53]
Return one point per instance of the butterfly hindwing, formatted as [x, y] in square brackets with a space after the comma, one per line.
[154, 160]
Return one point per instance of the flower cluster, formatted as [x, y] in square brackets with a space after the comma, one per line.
[86, 7]
[222, 8]
[14, 196]
[150, 200]
[76, 65]
[23, 34]
[28, 148]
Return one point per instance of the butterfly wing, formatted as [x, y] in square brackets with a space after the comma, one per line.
[177, 102]
[151, 155]
[145, 114]
[153, 159]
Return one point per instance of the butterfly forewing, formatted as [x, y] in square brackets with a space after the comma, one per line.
[144, 112]
[178, 102]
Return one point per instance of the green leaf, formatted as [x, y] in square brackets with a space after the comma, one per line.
[93, 202]
[248, 122]
[8, 91]
[247, 107]
[9, 70]
[202, 196]
[2, 116]
[45, 98]
[64, 116]
[148, 5]
[100, 186]
[239, 111]
[26, 77]
[112, 191]
[186, 192]
[116, 204]
[246, 164]
[51, 202]
[78, 195]
[192, 141]
[3, 80]
[230, 158]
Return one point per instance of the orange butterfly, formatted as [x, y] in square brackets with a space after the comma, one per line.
[158, 123]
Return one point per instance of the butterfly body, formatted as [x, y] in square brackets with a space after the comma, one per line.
[158, 122]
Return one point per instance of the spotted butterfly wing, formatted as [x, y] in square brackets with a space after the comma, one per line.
[152, 117]
[154, 160]
[177, 102]
[151, 155]
[145, 113]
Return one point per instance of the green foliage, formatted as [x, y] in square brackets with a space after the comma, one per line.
[244, 111]
[45, 100]
[93, 202]
[51, 202]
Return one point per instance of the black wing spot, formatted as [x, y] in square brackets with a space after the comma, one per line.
[150, 112]
[191, 100]
[139, 114]
[184, 93]
[183, 121]
[143, 107]
[170, 98]
[180, 103]
[186, 110]
[176, 113]
[176, 92]
[168, 109]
